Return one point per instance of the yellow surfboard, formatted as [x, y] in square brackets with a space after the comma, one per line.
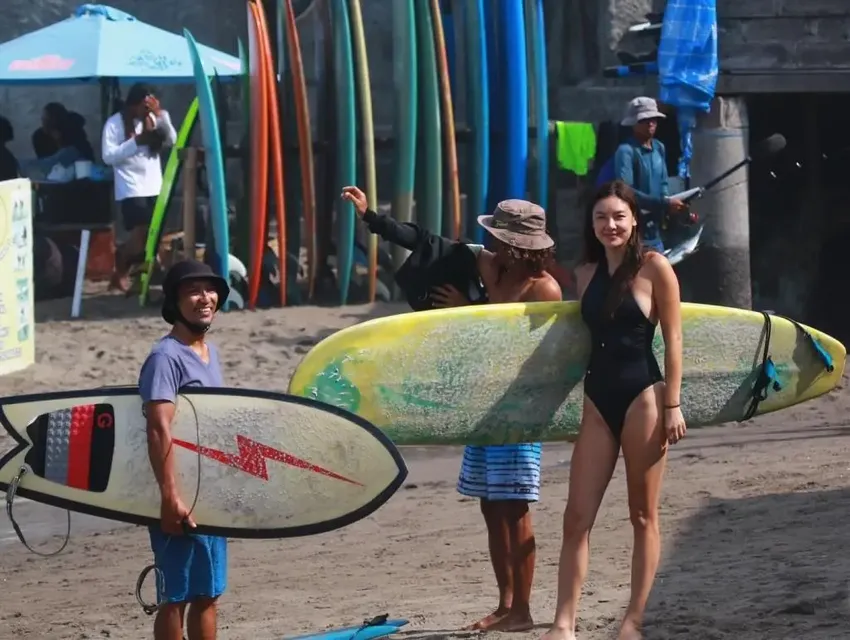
[498, 374]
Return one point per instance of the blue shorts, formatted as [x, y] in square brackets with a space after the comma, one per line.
[193, 566]
[502, 472]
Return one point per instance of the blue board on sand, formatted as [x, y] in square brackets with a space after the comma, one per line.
[513, 89]
[213, 161]
[363, 632]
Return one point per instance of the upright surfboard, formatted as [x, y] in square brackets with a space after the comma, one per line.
[242, 227]
[367, 129]
[448, 117]
[405, 75]
[513, 81]
[249, 464]
[259, 153]
[295, 66]
[539, 90]
[326, 189]
[478, 116]
[346, 150]
[213, 161]
[275, 153]
[169, 180]
[429, 377]
[429, 170]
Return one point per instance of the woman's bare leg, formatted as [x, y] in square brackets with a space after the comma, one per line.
[644, 451]
[591, 467]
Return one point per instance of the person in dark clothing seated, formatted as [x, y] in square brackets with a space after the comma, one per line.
[45, 139]
[9, 169]
[71, 141]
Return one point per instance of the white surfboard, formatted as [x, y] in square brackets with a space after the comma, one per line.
[250, 464]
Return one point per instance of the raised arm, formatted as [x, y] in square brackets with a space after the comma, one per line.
[406, 235]
[167, 127]
[158, 386]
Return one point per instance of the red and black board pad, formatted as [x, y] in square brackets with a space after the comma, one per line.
[74, 447]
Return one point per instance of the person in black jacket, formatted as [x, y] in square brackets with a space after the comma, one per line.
[446, 273]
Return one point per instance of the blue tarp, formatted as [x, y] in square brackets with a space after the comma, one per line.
[102, 42]
[687, 65]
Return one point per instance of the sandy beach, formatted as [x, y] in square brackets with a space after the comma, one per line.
[752, 519]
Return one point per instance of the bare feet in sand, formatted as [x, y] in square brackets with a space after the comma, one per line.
[514, 622]
[629, 631]
[556, 633]
[485, 623]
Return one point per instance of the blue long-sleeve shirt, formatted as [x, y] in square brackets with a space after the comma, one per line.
[650, 187]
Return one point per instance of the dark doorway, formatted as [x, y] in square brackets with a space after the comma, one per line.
[799, 217]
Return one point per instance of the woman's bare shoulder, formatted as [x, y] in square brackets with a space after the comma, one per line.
[656, 265]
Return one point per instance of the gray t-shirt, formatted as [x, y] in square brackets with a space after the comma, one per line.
[171, 365]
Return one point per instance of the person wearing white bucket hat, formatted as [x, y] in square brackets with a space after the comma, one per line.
[641, 162]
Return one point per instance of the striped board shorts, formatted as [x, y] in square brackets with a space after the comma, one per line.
[505, 472]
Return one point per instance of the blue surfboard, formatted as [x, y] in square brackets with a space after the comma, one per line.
[537, 34]
[363, 632]
[213, 161]
[513, 89]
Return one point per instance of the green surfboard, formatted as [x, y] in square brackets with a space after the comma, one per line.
[429, 160]
[346, 143]
[169, 179]
[405, 83]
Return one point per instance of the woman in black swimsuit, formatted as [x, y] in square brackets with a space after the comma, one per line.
[625, 291]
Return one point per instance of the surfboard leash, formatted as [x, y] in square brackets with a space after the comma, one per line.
[374, 622]
[768, 378]
[147, 607]
[11, 493]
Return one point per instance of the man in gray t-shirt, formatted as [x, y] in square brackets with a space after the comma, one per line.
[194, 567]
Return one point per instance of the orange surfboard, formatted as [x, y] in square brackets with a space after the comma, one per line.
[450, 146]
[276, 150]
[305, 144]
[259, 151]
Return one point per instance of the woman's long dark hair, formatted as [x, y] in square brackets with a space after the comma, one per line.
[594, 253]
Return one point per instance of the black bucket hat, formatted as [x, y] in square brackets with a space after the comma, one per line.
[189, 270]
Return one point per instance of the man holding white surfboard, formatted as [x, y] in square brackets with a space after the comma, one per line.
[193, 568]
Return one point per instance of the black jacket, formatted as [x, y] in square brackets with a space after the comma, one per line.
[434, 261]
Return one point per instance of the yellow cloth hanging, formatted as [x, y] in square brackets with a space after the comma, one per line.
[576, 146]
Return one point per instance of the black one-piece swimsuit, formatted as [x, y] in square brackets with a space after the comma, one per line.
[622, 363]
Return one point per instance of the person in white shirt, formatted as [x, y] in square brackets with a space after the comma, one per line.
[131, 144]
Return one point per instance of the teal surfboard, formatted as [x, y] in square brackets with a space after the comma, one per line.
[346, 149]
[213, 161]
[405, 74]
[478, 116]
[160, 209]
[429, 170]
[538, 83]
[363, 632]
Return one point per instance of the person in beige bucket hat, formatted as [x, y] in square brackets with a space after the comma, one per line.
[505, 479]
[520, 224]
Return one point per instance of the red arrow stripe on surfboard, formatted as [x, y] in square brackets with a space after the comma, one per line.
[252, 458]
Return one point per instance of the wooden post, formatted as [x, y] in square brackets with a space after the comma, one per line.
[190, 197]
